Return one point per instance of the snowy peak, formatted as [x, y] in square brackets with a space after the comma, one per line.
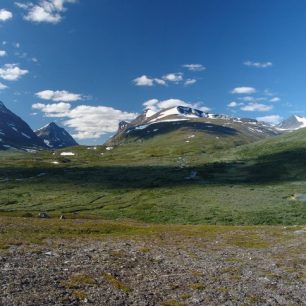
[55, 137]
[179, 111]
[293, 123]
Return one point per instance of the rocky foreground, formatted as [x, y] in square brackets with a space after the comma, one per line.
[252, 266]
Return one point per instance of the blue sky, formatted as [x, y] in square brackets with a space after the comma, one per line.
[88, 64]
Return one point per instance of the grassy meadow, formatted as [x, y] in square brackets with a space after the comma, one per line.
[190, 182]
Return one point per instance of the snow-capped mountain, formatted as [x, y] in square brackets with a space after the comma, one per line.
[55, 137]
[293, 123]
[15, 133]
[150, 124]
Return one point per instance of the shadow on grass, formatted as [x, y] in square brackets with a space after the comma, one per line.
[285, 166]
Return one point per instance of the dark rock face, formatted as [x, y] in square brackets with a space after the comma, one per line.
[55, 137]
[191, 111]
[123, 125]
[15, 133]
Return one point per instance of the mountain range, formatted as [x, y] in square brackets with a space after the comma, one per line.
[164, 125]
[15, 133]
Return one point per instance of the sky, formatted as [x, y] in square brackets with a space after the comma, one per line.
[88, 64]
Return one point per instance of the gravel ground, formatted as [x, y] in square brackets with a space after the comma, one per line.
[157, 271]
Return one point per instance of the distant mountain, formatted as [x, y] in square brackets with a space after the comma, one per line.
[186, 121]
[293, 123]
[55, 137]
[15, 133]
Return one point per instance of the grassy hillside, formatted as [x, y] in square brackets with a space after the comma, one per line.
[259, 183]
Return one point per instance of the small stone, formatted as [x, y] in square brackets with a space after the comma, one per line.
[43, 215]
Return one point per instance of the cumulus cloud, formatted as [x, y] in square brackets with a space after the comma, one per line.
[94, 121]
[143, 81]
[157, 105]
[87, 122]
[243, 90]
[194, 67]
[58, 95]
[275, 99]
[12, 72]
[2, 86]
[272, 119]
[5, 15]
[256, 107]
[2, 53]
[190, 82]
[160, 81]
[47, 11]
[53, 110]
[233, 104]
[258, 64]
[174, 77]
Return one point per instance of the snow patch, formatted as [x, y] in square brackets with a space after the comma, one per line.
[25, 135]
[150, 113]
[67, 154]
[47, 142]
[301, 120]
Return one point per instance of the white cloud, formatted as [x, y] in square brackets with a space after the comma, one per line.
[233, 104]
[11, 72]
[143, 81]
[272, 119]
[190, 82]
[160, 82]
[157, 105]
[247, 99]
[253, 107]
[94, 121]
[194, 67]
[258, 64]
[53, 110]
[2, 86]
[275, 99]
[58, 95]
[174, 77]
[244, 90]
[88, 122]
[2, 53]
[48, 11]
[5, 15]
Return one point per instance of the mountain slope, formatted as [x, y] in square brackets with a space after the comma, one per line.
[55, 137]
[15, 133]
